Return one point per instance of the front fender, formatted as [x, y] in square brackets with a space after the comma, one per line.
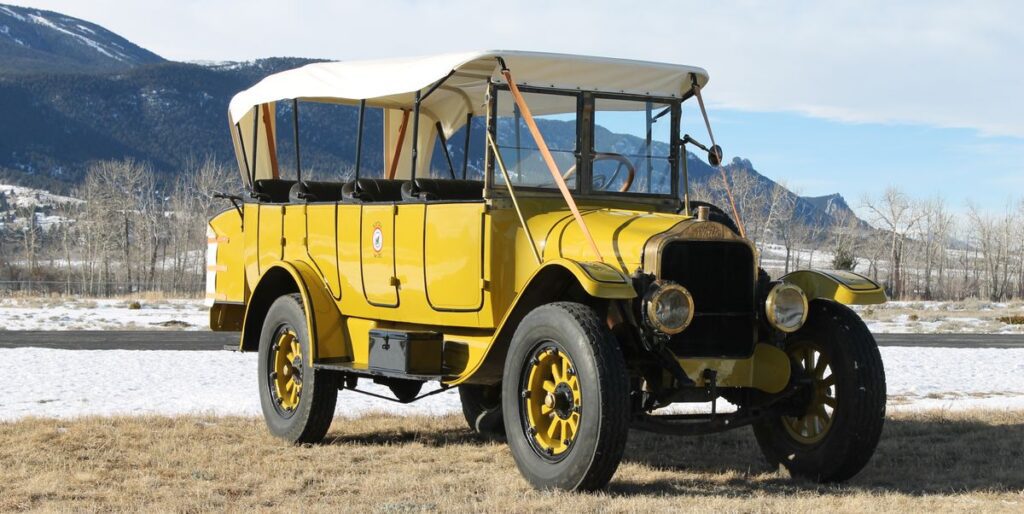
[323, 320]
[844, 287]
[597, 278]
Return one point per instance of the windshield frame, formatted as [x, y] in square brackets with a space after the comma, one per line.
[585, 121]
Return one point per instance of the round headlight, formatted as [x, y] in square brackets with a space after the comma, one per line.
[668, 308]
[786, 307]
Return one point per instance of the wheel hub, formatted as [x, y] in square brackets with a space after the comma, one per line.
[562, 400]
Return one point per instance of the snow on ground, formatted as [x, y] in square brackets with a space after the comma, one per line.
[969, 316]
[69, 383]
[102, 314]
[23, 197]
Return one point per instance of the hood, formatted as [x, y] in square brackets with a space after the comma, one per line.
[620, 234]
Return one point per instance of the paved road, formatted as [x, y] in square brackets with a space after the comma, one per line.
[180, 340]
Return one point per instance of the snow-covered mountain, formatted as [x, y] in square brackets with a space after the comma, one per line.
[34, 40]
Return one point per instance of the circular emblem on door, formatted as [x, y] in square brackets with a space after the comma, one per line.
[378, 238]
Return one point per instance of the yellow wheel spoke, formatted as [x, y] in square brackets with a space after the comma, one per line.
[545, 410]
[552, 428]
[830, 401]
[554, 372]
[820, 413]
[549, 386]
[819, 369]
[829, 381]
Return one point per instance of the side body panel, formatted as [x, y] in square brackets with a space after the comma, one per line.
[270, 235]
[454, 268]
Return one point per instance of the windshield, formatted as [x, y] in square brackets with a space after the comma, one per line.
[624, 147]
[632, 146]
[556, 119]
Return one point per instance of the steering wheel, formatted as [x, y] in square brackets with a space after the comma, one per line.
[609, 156]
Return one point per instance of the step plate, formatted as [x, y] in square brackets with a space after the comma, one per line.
[364, 370]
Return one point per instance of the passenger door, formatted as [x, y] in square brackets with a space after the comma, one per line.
[453, 245]
[377, 254]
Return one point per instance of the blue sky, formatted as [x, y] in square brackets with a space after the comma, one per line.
[817, 156]
[846, 96]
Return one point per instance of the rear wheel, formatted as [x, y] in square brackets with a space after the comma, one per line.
[565, 397]
[833, 434]
[297, 400]
[481, 405]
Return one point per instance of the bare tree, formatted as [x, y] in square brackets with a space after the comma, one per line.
[896, 214]
[992, 235]
[933, 238]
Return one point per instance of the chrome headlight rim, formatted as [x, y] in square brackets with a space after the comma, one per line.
[772, 300]
[657, 294]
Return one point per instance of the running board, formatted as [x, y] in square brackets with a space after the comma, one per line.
[363, 370]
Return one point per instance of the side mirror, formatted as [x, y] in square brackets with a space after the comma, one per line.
[715, 155]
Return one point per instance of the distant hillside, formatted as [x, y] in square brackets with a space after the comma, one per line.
[56, 123]
[33, 40]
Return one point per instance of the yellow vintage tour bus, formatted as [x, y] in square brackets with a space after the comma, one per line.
[567, 285]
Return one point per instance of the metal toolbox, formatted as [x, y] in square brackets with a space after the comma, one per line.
[406, 352]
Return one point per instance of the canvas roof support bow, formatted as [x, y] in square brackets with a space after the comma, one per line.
[721, 169]
[548, 159]
[398, 146]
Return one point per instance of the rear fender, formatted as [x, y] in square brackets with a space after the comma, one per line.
[323, 320]
[844, 287]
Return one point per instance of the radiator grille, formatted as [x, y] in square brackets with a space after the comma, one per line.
[720, 276]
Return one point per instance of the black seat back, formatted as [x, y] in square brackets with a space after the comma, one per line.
[373, 190]
[273, 190]
[308, 191]
[428, 189]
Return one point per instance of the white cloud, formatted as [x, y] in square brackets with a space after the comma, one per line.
[948, 64]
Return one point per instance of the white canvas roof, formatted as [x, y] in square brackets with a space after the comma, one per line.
[393, 82]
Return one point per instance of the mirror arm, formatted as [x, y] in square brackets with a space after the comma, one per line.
[694, 142]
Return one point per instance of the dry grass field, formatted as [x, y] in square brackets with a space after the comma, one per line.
[926, 462]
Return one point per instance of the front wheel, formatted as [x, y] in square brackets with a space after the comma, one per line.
[565, 398]
[297, 400]
[834, 431]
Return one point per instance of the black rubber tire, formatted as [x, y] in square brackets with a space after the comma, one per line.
[481, 405]
[604, 384]
[860, 389]
[312, 417]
